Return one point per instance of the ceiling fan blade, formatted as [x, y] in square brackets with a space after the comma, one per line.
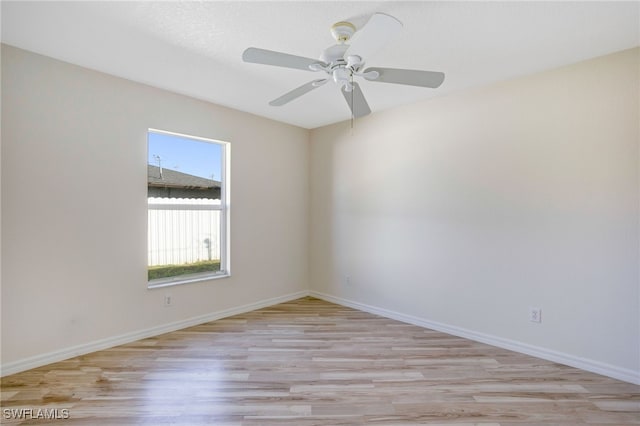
[376, 33]
[297, 92]
[278, 59]
[356, 101]
[430, 79]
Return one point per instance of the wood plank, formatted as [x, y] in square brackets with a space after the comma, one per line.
[309, 362]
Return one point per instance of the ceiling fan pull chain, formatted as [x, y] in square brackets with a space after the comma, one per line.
[352, 105]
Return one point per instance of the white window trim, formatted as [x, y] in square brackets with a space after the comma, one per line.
[223, 207]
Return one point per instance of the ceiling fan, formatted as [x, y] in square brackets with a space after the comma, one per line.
[342, 62]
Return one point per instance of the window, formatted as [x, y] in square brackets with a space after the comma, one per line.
[187, 195]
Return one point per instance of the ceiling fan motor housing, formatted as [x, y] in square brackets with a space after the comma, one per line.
[334, 54]
[342, 76]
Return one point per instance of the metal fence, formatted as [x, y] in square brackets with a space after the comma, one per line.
[183, 230]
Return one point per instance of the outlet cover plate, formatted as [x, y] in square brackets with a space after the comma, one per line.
[535, 315]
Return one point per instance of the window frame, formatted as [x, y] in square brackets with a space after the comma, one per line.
[223, 208]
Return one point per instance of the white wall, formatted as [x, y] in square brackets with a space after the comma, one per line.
[464, 210]
[74, 206]
[467, 210]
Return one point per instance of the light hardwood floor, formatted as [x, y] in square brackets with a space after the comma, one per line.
[309, 362]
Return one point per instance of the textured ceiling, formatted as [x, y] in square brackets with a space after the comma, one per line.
[195, 48]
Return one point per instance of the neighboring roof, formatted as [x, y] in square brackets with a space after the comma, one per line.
[175, 179]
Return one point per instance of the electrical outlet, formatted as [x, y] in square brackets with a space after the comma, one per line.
[347, 280]
[168, 300]
[535, 315]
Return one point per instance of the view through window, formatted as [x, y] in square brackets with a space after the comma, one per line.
[187, 208]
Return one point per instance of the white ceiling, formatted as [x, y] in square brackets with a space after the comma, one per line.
[195, 48]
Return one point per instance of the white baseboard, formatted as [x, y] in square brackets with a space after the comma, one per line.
[97, 345]
[539, 352]
[550, 355]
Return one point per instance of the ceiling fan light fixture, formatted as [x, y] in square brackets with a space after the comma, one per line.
[341, 75]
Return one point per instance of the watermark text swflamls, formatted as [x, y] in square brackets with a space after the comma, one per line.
[35, 413]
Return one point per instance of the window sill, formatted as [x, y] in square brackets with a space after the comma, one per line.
[185, 279]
